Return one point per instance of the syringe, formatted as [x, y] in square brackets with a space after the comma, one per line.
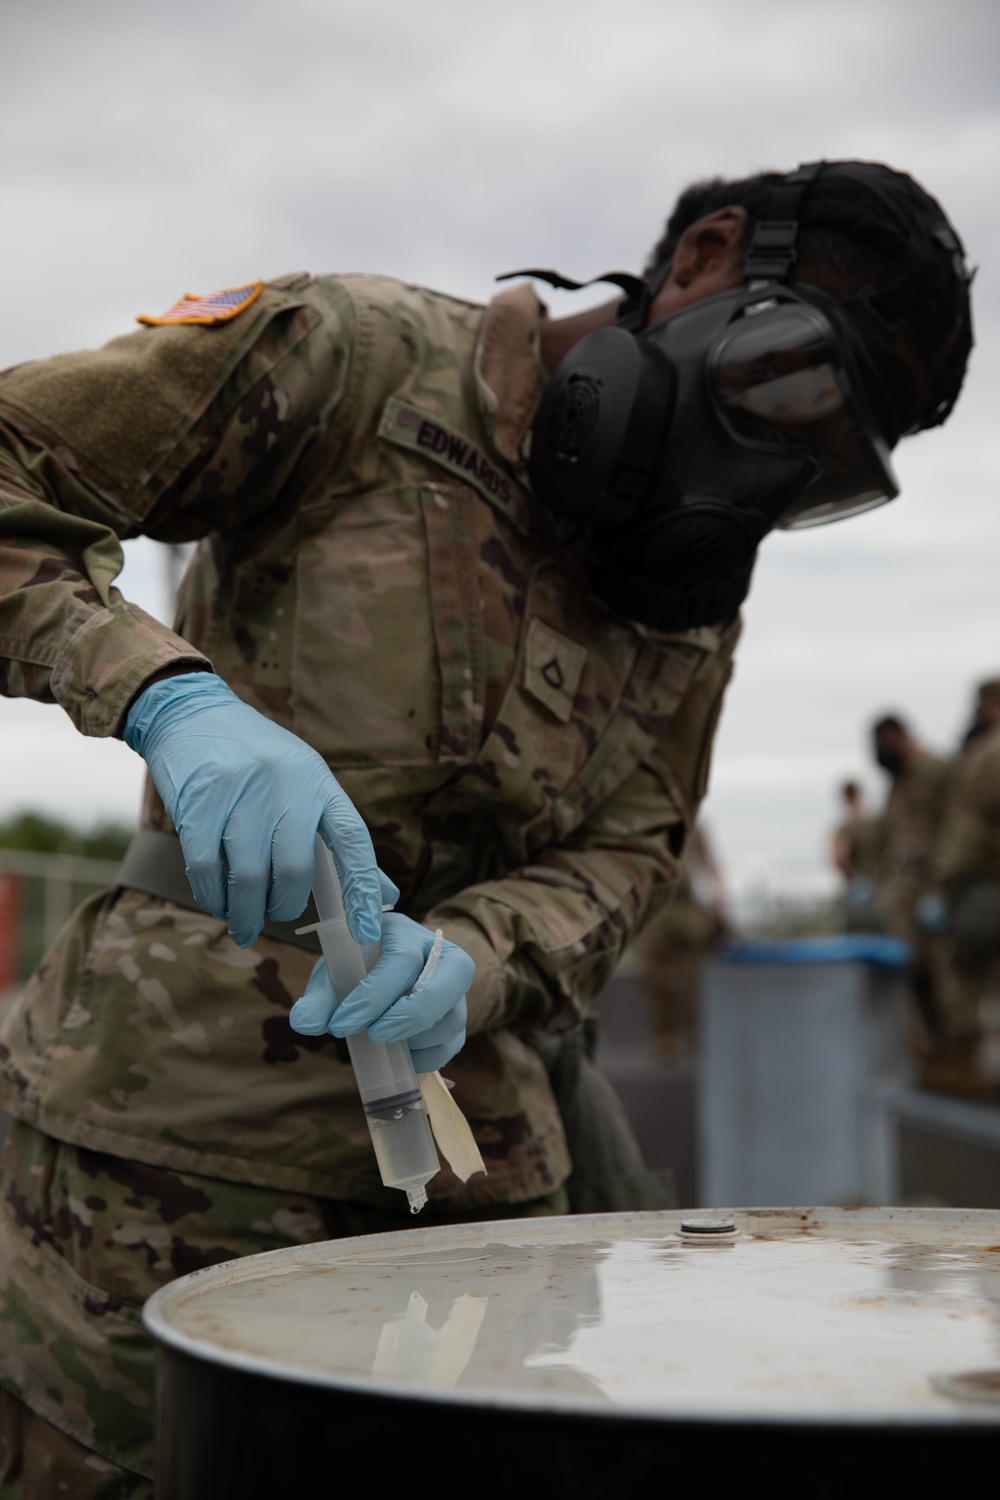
[393, 1105]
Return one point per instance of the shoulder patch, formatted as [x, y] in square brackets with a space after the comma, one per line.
[214, 307]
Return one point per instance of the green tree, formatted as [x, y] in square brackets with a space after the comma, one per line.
[48, 835]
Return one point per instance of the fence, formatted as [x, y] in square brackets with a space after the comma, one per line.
[774, 914]
[38, 892]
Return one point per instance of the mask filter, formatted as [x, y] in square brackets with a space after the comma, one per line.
[677, 571]
[598, 438]
[574, 416]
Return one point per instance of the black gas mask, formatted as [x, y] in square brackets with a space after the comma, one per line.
[678, 447]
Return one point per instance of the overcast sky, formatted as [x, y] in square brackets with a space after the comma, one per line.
[154, 148]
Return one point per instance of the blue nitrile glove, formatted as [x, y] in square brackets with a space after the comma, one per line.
[432, 1020]
[243, 792]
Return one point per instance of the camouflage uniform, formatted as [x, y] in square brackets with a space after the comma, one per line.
[372, 573]
[967, 865]
[910, 827]
[857, 846]
[910, 824]
[861, 838]
[672, 948]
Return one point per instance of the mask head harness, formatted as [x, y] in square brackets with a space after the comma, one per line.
[679, 446]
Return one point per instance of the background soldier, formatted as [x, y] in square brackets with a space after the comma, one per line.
[965, 928]
[514, 664]
[856, 851]
[985, 714]
[675, 944]
[911, 820]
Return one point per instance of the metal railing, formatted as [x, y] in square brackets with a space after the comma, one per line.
[59, 874]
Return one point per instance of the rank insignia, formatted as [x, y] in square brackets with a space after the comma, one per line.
[214, 307]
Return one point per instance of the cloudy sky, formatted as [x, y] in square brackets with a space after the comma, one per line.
[154, 148]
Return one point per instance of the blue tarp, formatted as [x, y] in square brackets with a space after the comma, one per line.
[848, 947]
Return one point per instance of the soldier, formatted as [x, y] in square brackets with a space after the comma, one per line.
[487, 569]
[675, 944]
[986, 714]
[964, 927]
[856, 851]
[910, 824]
[913, 810]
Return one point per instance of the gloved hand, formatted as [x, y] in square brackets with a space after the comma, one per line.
[432, 1020]
[245, 793]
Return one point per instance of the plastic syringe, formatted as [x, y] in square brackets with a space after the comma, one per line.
[394, 1108]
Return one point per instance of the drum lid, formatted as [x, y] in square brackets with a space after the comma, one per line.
[820, 1315]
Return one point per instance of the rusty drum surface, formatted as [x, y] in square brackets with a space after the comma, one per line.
[583, 1353]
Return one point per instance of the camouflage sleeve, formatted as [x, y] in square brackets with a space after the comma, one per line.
[173, 432]
[969, 843]
[546, 938]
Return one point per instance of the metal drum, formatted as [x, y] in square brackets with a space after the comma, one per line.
[846, 1349]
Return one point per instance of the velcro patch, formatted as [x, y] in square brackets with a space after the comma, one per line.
[553, 665]
[421, 432]
[214, 307]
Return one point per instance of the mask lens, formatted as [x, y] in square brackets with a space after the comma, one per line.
[780, 383]
[776, 368]
[839, 491]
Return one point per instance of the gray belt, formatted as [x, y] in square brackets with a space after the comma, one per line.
[154, 864]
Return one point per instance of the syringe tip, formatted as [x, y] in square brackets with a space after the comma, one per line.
[416, 1197]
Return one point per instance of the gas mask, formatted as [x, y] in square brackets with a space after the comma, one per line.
[678, 447]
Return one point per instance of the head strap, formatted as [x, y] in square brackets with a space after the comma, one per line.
[633, 310]
[773, 250]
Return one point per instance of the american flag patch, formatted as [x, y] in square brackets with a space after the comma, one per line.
[214, 307]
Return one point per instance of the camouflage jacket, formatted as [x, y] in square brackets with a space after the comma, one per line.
[969, 843]
[373, 573]
[858, 845]
[912, 817]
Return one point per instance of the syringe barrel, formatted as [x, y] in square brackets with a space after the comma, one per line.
[393, 1105]
[383, 1070]
[398, 1122]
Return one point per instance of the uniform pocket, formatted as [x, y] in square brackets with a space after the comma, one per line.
[457, 617]
[387, 658]
[563, 687]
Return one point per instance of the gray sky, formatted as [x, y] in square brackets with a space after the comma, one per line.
[154, 148]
